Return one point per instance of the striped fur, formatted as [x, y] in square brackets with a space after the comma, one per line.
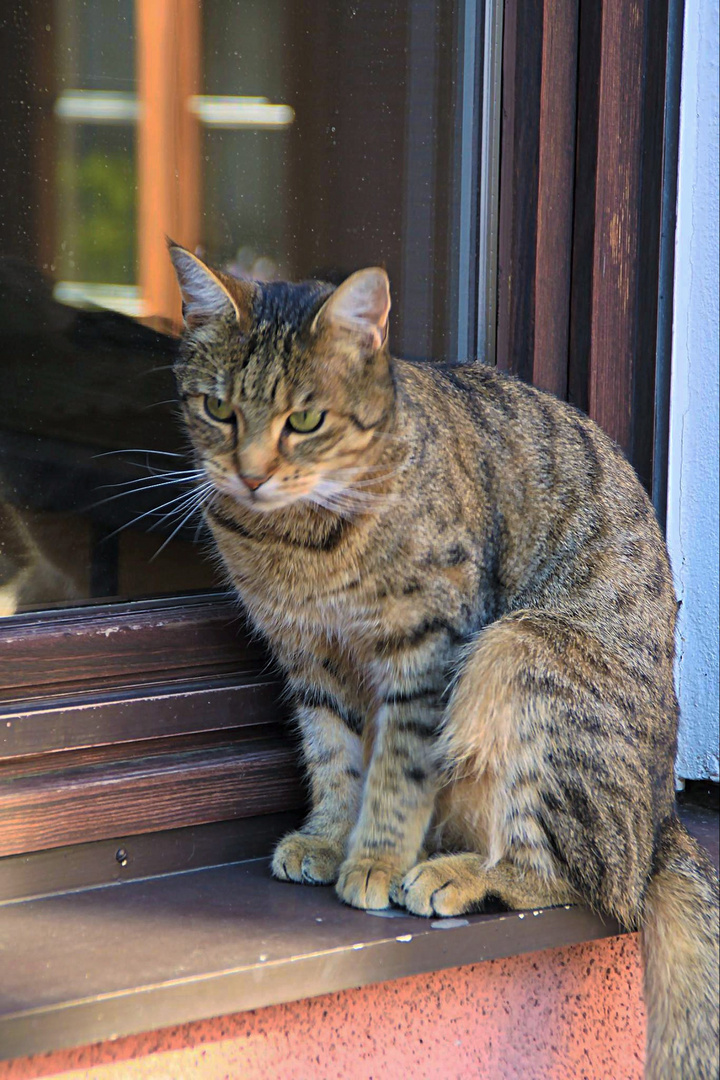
[466, 587]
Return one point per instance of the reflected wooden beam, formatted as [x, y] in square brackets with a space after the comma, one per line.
[168, 67]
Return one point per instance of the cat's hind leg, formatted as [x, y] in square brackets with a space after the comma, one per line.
[455, 884]
[560, 763]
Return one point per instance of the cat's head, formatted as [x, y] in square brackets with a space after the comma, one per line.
[286, 389]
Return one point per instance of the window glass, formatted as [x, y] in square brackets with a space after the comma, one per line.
[277, 138]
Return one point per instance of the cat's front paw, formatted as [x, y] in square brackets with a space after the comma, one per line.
[438, 886]
[366, 883]
[312, 860]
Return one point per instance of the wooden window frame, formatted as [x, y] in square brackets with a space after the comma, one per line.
[180, 682]
[590, 115]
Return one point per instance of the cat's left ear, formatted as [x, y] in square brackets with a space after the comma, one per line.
[209, 294]
[360, 305]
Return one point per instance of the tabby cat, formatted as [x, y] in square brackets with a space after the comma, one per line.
[468, 593]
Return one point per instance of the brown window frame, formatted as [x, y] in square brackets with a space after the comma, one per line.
[163, 692]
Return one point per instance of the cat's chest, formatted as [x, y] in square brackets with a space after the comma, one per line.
[357, 604]
[344, 614]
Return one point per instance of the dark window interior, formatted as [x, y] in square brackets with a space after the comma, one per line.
[277, 139]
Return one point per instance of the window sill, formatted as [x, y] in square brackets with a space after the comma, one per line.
[97, 963]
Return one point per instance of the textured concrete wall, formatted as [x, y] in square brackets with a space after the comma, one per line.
[693, 467]
[562, 1014]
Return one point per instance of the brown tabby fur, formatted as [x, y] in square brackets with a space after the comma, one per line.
[476, 622]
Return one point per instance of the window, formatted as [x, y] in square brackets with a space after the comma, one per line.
[281, 139]
[273, 151]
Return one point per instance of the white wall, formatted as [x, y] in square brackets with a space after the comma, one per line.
[693, 471]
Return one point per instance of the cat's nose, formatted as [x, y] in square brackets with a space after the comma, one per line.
[254, 482]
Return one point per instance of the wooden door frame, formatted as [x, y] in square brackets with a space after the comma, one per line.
[585, 123]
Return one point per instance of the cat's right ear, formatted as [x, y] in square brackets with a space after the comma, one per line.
[361, 306]
[207, 294]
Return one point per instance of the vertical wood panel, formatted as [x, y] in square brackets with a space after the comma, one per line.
[581, 187]
[537, 190]
[168, 63]
[654, 177]
[420, 181]
[519, 161]
[621, 243]
[584, 210]
[617, 218]
[556, 178]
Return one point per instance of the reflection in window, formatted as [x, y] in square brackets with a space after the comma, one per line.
[279, 139]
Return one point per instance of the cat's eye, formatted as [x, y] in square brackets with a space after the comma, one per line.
[219, 409]
[306, 421]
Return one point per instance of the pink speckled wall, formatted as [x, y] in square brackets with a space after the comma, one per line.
[563, 1014]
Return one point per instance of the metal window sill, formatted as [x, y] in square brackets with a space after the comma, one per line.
[101, 962]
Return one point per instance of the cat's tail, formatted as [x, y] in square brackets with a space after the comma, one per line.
[682, 960]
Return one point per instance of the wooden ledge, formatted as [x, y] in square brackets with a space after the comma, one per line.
[100, 962]
[95, 964]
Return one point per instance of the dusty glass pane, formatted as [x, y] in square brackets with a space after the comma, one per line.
[276, 139]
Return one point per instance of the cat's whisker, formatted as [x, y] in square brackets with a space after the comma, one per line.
[194, 500]
[155, 510]
[193, 509]
[354, 470]
[138, 491]
[365, 472]
[156, 472]
[183, 477]
[353, 491]
[137, 450]
[356, 480]
[346, 502]
[363, 500]
[359, 484]
[196, 538]
[368, 469]
[326, 504]
[388, 437]
[157, 404]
